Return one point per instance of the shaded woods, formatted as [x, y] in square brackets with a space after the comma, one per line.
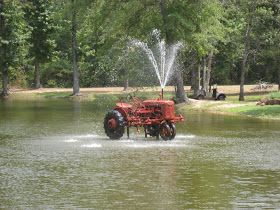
[47, 43]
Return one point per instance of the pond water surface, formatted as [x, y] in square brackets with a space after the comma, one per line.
[54, 154]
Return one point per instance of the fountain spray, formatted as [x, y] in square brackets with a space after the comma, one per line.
[163, 65]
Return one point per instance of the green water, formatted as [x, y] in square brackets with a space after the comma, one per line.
[54, 155]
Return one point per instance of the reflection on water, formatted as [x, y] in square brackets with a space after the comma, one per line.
[54, 154]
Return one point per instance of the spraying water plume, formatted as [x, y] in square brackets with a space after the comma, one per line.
[163, 65]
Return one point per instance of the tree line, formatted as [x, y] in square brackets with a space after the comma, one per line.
[84, 43]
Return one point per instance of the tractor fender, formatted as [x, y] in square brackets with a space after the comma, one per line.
[122, 111]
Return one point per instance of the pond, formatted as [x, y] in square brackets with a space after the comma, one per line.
[54, 154]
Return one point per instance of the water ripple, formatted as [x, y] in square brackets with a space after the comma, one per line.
[91, 145]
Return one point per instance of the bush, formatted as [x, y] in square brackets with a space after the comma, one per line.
[51, 83]
[18, 79]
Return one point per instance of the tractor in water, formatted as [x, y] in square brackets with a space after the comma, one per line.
[157, 117]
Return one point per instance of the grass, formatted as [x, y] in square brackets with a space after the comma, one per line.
[269, 111]
[257, 111]
[275, 95]
[254, 97]
[235, 107]
[247, 98]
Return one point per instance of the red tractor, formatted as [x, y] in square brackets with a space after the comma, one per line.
[156, 116]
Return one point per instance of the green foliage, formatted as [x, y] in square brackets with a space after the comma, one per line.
[264, 41]
[18, 78]
[41, 30]
[58, 70]
[38, 17]
[13, 46]
[13, 35]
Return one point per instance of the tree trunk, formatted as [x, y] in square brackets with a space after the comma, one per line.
[247, 39]
[180, 93]
[209, 69]
[5, 81]
[3, 63]
[242, 77]
[179, 82]
[244, 61]
[126, 84]
[204, 74]
[197, 80]
[193, 72]
[199, 76]
[76, 85]
[278, 79]
[37, 75]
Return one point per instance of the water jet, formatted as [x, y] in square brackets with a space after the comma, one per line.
[164, 63]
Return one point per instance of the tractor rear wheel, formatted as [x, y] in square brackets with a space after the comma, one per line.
[165, 131]
[114, 124]
[153, 130]
[173, 130]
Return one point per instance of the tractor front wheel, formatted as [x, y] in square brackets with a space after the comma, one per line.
[114, 124]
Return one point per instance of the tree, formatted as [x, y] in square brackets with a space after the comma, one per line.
[99, 47]
[269, 31]
[209, 71]
[38, 16]
[254, 30]
[11, 38]
[3, 49]
[76, 85]
[70, 19]
[180, 92]
[250, 12]
[83, 42]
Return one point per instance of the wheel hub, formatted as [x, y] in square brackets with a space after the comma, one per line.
[112, 123]
[166, 132]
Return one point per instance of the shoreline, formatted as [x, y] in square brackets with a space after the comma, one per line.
[228, 89]
[231, 106]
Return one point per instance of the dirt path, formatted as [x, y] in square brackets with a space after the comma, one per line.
[60, 90]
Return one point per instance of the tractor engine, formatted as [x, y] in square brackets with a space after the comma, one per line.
[156, 116]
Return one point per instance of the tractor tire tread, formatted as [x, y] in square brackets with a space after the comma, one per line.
[119, 131]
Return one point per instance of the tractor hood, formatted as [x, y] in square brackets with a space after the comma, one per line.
[158, 102]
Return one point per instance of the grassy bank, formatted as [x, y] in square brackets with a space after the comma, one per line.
[110, 96]
[234, 107]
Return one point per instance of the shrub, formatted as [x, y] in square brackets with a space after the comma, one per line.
[51, 83]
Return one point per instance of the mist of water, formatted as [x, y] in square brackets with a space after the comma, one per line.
[163, 64]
